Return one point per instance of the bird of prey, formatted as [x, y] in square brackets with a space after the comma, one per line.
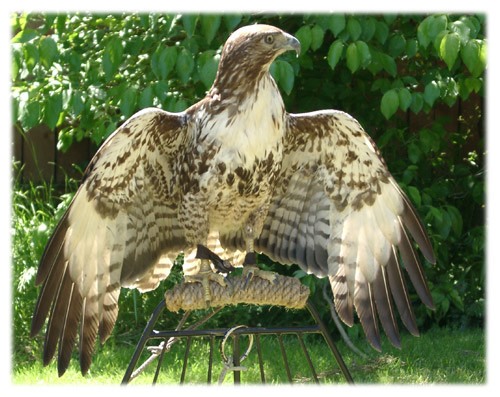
[237, 172]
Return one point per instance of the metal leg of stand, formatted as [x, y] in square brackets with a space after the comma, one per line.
[330, 342]
[142, 342]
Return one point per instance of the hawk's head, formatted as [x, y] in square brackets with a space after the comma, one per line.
[260, 42]
[251, 49]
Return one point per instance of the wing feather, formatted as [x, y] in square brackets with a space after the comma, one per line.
[400, 293]
[351, 219]
[72, 316]
[112, 235]
[381, 292]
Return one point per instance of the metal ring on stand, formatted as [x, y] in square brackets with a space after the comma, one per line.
[223, 344]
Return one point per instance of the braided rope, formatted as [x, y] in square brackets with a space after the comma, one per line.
[287, 292]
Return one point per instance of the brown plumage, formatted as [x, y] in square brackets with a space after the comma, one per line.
[237, 173]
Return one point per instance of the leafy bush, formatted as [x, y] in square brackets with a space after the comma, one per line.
[82, 75]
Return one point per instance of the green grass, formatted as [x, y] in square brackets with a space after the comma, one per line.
[439, 356]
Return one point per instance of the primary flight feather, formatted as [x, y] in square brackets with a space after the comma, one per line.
[237, 172]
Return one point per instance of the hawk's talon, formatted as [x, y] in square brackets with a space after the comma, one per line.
[249, 277]
[254, 271]
[204, 277]
[229, 285]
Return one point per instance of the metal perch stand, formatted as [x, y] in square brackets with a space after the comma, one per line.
[287, 292]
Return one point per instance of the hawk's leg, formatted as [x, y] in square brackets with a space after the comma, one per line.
[221, 266]
[250, 268]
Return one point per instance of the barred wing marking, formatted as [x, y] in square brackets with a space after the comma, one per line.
[339, 212]
[120, 230]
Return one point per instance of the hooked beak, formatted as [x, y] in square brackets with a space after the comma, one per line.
[292, 44]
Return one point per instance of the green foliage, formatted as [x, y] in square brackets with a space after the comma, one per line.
[84, 74]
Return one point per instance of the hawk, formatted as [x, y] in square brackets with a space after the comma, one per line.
[238, 173]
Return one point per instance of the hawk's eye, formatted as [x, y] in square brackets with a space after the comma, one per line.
[269, 39]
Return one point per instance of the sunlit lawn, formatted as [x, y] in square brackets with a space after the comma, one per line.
[438, 356]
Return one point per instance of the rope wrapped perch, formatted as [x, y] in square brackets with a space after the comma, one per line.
[286, 291]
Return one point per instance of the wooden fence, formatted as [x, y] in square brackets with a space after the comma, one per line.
[37, 151]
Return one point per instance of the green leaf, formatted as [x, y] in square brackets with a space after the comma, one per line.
[429, 140]
[64, 139]
[29, 115]
[473, 84]
[389, 64]
[48, 51]
[451, 92]
[31, 56]
[317, 35]
[60, 23]
[481, 64]
[184, 65]
[127, 102]
[368, 27]
[411, 48]
[455, 297]
[381, 32]
[112, 58]
[163, 61]
[397, 45]
[381, 85]
[417, 102]
[354, 28]
[24, 36]
[209, 25]
[334, 53]
[473, 25]
[389, 104]
[414, 153]
[437, 24]
[305, 37]
[337, 24]
[17, 61]
[352, 57]
[436, 213]
[364, 53]
[161, 90]
[462, 30]
[146, 98]
[286, 76]
[444, 224]
[375, 65]
[77, 103]
[423, 32]
[405, 99]
[53, 108]
[390, 18]
[414, 194]
[470, 54]
[456, 220]
[207, 67]
[449, 48]
[431, 93]
[430, 28]
[189, 22]
[232, 20]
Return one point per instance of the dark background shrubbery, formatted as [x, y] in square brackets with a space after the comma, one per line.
[415, 82]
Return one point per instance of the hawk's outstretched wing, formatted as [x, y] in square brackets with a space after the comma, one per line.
[339, 212]
[118, 231]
